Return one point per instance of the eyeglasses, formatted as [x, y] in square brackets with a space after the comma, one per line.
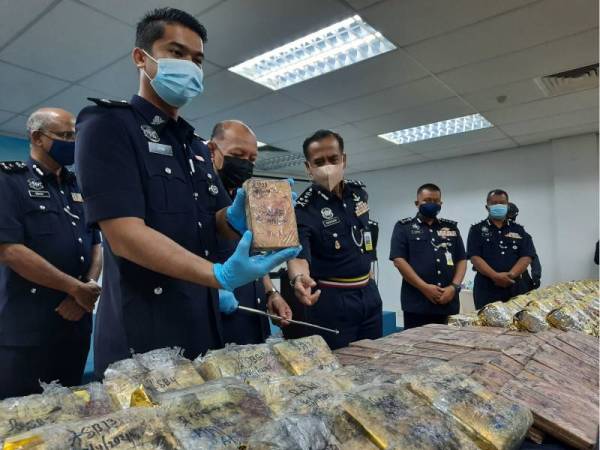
[62, 135]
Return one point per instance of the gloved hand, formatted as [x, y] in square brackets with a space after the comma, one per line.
[227, 302]
[241, 268]
[294, 195]
[236, 213]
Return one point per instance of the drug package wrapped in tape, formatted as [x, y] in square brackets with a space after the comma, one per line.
[159, 370]
[56, 404]
[270, 214]
[533, 317]
[139, 429]
[245, 361]
[302, 355]
[491, 421]
[393, 417]
[463, 320]
[580, 315]
[220, 414]
[499, 314]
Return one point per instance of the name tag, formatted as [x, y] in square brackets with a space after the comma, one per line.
[39, 194]
[514, 235]
[368, 241]
[449, 260]
[331, 222]
[446, 232]
[160, 149]
[76, 196]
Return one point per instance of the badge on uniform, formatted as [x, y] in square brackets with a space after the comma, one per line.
[157, 120]
[513, 235]
[213, 189]
[77, 197]
[150, 133]
[337, 245]
[446, 232]
[361, 208]
[368, 241]
[327, 213]
[449, 260]
[160, 149]
[36, 189]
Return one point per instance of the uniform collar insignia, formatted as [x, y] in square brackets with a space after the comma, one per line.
[150, 133]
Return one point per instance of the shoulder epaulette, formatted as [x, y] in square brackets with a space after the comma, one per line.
[196, 135]
[449, 222]
[373, 222]
[13, 166]
[357, 183]
[304, 198]
[109, 103]
[406, 220]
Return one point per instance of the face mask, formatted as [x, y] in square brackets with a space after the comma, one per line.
[328, 176]
[429, 210]
[235, 171]
[498, 212]
[63, 152]
[176, 81]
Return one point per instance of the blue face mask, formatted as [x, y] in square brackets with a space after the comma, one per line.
[177, 81]
[429, 210]
[63, 152]
[498, 212]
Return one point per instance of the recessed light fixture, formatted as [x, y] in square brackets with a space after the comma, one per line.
[458, 125]
[260, 144]
[339, 45]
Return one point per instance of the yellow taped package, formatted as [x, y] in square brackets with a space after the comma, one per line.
[245, 361]
[217, 415]
[493, 422]
[581, 316]
[462, 320]
[56, 404]
[395, 418]
[156, 371]
[139, 429]
[305, 354]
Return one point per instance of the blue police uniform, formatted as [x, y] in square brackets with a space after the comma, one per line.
[46, 215]
[240, 327]
[337, 243]
[433, 252]
[500, 248]
[135, 161]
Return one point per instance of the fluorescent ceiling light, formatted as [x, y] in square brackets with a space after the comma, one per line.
[331, 48]
[260, 144]
[438, 129]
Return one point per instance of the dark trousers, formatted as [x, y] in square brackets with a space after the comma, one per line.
[414, 320]
[356, 313]
[61, 358]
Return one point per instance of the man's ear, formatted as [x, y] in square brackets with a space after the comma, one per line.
[417, 203]
[307, 168]
[345, 160]
[35, 137]
[212, 147]
[139, 57]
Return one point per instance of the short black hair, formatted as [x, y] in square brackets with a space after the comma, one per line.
[152, 26]
[496, 192]
[317, 136]
[513, 210]
[430, 187]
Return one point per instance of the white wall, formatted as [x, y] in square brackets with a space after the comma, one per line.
[555, 185]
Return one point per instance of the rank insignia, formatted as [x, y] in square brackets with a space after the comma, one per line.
[327, 213]
[150, 133]
[213, 189]
[34, 184]
[513, 235]
[361, 208]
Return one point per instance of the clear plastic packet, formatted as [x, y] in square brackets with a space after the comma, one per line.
[302, 355]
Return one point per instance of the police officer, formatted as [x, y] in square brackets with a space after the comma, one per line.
[333, 225]
[150, 186]
[532, 281]
[49, 262]
[234, 152]
[500, 251]
[430, 254]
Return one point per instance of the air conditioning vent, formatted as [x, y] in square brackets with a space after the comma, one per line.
[569, 81]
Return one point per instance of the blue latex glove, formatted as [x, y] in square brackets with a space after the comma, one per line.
[294, 195]
[227, 302]
[241, 268]
[236, 213]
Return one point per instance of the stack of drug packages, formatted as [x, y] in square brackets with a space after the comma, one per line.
[571, 306]
[280, 395]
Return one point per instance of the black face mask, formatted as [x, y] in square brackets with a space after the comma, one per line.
[235, 171]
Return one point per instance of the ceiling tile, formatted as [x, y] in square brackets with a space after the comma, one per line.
[434, 112]
[132, 11]
[564, 54]
[456, 140]
[537, 23]
[556, 133]
[15, 126]
[16, 15]
[408, 21]
[73, 99]
[517, 92]
[5, 115]
[470, 149]
[239, 29]
[223, 91]
[545, 107]
[380, 160]
[301, 125]
[572, 118]
[22, 88]
[361, 4]
[363, 78]
[401, 97]
[371, 143]
[80, 43]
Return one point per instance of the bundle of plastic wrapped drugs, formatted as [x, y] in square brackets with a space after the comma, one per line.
[159, 370]
[493, 422]
[302, 355]
[220, 414]
[245, 361]
[56, 404]
[581, 316]
[463, 320]
[139, 429]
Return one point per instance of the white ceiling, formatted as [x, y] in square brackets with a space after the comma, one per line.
[453, 58]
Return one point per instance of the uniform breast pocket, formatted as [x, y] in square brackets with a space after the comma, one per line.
[417, 243]
[334, 238]
[41, 219]
[168, 189]
[515, 246]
